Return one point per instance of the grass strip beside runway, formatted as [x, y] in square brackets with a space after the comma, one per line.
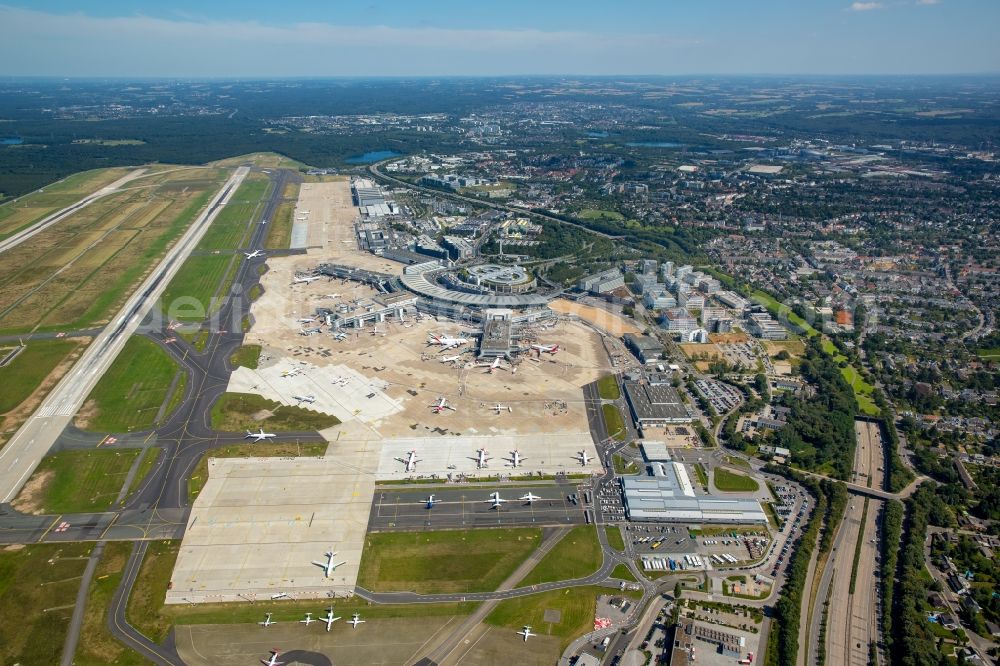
[444, 561]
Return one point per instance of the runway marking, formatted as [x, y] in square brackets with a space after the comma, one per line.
[49, 529]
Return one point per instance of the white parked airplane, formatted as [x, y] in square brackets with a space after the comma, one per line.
[529, 498]
[526, 632]
[291, 373]
[254, 254]
[329, 619]
[309, 619]
[495, 365]
[329, 566]
[266, 622]
[446, 341]
[450, 359]
[273, 661]
[496, 500]
[260, 435]
[306, 320]
[410, 460]
[304, 398]
[546, 349]
[499, 408]
[515, 458]
[442, 404]
[356, 620]
[482, 458]
[583, 458]
[305, 279]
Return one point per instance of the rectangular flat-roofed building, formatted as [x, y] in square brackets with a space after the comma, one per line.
[655, 405]
[645, 347]
[601, 283]
[667, 499]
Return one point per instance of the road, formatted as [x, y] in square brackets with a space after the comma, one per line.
[118, 624]
[851, 621]
[14, 240]
[375, 171]
[24, 451]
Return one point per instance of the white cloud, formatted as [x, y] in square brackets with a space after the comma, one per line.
[864, 6]
[42, 43]
[928, 2]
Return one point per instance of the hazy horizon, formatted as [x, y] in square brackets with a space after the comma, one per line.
[257, 40]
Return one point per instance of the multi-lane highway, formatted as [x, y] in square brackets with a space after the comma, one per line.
[24, 451]
[849, 610]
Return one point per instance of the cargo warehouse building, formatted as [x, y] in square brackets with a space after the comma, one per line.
[668, 496]
[655, 404]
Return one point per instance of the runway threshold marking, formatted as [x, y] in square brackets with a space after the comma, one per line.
[49, 528]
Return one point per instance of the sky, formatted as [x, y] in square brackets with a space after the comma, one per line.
[296, 38]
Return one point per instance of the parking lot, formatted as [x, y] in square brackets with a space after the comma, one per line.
[721, 396]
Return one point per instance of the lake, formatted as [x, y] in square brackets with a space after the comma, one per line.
[372, 156]
[11, 141]
[597, 135]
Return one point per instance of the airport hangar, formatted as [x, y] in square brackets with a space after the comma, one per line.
[668, 496]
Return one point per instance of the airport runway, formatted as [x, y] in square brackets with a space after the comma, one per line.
[159, 507]
[60, 215]
[24, 451]
[407, 509]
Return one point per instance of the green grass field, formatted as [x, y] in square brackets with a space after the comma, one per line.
[149, 457]
[19, 214]
[732, 482]
[613, 421]
[32, 579]
[577, 555]
[623, 465]
[862, 390]
[736, 461]
[608, 387]
[97, 646]
[199, 476]
[615, 539]
[699, 471]
[445, 561]
[246, 356]
[597, 214]
[577, 606]
[146, 601]
[235, 412]
[131, 393]
[112, 243]
[778, 311]
[279, 231]
[989, 354]
[622, 572]
[76, 481]
[229, 228]
[25, 373]
[188, 297]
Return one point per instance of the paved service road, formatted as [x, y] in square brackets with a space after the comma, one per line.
[24, 451]
[117, 623]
